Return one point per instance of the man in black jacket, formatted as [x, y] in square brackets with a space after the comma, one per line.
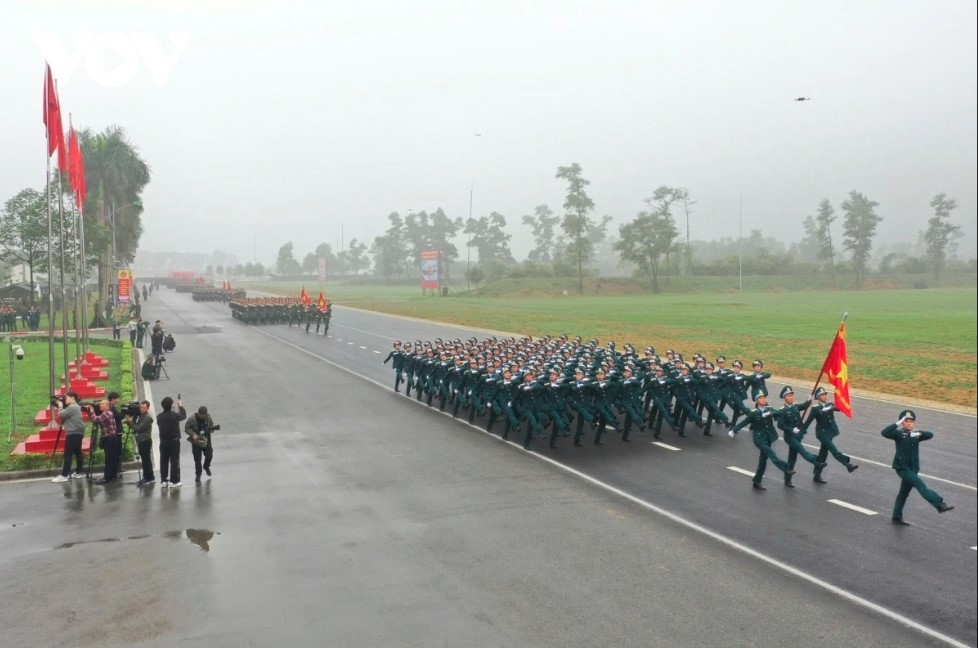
[169, 425]
[142, 429]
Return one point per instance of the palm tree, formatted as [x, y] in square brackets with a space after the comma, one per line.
[115, 175]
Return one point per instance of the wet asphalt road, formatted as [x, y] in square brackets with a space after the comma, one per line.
[343, 514]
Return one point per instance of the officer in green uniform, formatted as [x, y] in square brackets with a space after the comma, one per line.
[761, 420]
[826, 429]
[397, 355]
[906, 463]
[789, 422]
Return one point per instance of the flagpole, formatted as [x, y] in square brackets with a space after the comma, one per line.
[50, 255]
[83, 271]
[74, 234]
[64, 301]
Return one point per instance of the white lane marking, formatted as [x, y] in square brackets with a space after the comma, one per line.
[852, 507]
[667, 447]
[339, 339]
[376, 351]
[886, 465]
[974, 548]
[350, 343]
[727, 541]
[363, 347]
[740, 470]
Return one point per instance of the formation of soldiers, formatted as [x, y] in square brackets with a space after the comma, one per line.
[281, 310]
[212, 294]
[562, 384]
[30, 317]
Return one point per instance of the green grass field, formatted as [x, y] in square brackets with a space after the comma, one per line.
[912, 343]
[32, 394]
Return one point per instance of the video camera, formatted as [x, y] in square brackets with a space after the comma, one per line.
[215, 428]
[131, 409]
[57, 400]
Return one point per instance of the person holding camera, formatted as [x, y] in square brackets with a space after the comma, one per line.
[141, 425]
[110, 441]
[198, 429]
[169, 426]
[148, 370]
[156, 343]
[74, 427]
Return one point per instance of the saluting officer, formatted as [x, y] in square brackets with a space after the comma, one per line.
[906, 463]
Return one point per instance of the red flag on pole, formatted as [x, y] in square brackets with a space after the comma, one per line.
[52, 119]
[836, 367]
[321, 304]
[304, 296]
[76, 169]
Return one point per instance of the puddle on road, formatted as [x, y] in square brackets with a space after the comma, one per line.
[199, 537]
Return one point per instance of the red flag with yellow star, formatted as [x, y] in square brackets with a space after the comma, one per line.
[304, 297]
[321, 304]
[836, 367]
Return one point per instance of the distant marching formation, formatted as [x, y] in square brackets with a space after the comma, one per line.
[550, 383]
[280, 310]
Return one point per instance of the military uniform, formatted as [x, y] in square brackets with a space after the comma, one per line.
[761, 421]
[397, 355]
[906, 463]
[826, 429]
[789, 422]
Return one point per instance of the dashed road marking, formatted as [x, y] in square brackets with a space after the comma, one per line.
[852, 507]
[666, 446]
[886, 465]
[350, 343]
[376, 351]
[363, 347]
[740, 470]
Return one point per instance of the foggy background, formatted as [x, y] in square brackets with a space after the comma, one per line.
[297, 121]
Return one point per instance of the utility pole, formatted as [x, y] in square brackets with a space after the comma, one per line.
[740, 240]
[468, 244]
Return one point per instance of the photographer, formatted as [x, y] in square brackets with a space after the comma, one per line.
[169, 426]
[110, 440]
[198, 429]
[142, 428]
[148, 370]
[156, 343]
[114, 397]
[74, 427]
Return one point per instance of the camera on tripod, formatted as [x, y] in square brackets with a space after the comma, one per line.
[131, 409]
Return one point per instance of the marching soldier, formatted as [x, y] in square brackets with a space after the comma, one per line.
[761, 421]
[397, 355]
[906, 463]
[826, 429]
[789, 422]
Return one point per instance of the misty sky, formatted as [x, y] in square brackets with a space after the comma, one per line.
[265, 121]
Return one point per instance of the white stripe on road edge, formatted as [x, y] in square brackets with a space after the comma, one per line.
[974, 548]
[667, 447]
[740, 470]
[852, 507]
[896, 617]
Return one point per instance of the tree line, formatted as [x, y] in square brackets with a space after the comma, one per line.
[652, 244]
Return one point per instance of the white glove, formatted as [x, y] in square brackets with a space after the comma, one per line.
[731, 434]
[914, 434]
[796, 430]
[901, 420]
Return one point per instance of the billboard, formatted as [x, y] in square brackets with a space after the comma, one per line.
[322, 270]
[430, 269]
[124, 286]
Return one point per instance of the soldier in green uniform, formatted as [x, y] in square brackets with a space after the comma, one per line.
[397, 355]
[826, 429]
[906, 463]
[761, 420]
[789, 422]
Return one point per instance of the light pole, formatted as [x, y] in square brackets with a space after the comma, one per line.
[18, 351]
[468, 245]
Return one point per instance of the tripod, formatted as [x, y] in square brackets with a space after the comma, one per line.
[57, 440]
[92, 447]
[126, 438]
[160, 368]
